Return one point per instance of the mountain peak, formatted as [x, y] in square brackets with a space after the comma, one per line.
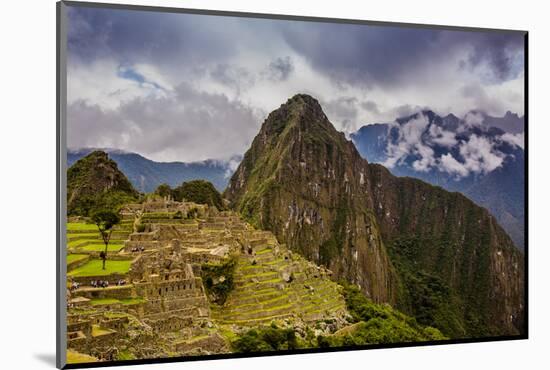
[304, 99]
[96, 180]
[305, 105]
[300, 114]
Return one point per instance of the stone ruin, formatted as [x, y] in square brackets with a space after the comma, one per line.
[162, 308]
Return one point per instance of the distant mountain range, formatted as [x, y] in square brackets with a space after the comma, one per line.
[479, 155]
[145, 174]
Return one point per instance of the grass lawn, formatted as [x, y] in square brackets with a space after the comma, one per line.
[77, 358]
[124, 301]
[86, 235]
[113, 247]
[125, 355]
[95, 245]
[96, 331]
[76, 257]
[80, 226]
[157, 215]
[102, 301]
[76, 243]
[94, 268]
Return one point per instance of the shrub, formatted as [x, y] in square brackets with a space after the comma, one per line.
[199, 191]
[193, 213]
[218, 279]
[164, 190]
[265, 339]
[377, 323]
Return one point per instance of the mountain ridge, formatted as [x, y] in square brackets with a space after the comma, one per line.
[302, 180]
[146, 175]
[451, 144]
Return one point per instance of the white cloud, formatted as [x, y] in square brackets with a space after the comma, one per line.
[416, 137]
[473, 119]
[514, 139]
[186, 125]
[449, 164]
[426, 160]
[153, 76]
[232, 165]
[442, 137]
[100, 83]
[409, 142]
[479, 155]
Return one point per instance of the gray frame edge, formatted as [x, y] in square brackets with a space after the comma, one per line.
[61, 189]
[277, 16]
[61, 150]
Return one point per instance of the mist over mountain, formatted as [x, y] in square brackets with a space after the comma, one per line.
[479, 155]
[145, 174]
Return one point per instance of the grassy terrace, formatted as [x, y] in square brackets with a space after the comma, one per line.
[113, 247]
[71, 235]
[76, 357]
[80, 226]
[94, 268]
[124, 301]
[85, 237]
[97, 331]
[95, 245]
[158, 215]
[261, 295]
[76, 257]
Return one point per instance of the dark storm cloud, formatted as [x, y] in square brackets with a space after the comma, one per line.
[137, 36]
[344, 111]
[503, 52]
[356, 54]
[280, 68]
[232, 76]
[370, 106]
[374, 55]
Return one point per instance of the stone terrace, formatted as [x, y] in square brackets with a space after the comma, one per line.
[162, 298]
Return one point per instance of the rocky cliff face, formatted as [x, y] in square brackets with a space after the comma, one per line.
[303, 181]
[433, 253]
[499, 188]
[438, 237]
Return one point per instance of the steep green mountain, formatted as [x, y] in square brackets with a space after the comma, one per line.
[303, 181]
[434, 254]
[458, 269]
[95, 182]
[500, 189]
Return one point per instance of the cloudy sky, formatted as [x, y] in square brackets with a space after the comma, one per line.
[180, 87]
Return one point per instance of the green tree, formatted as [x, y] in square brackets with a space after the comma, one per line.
[198, 191]
[164, 190]
[105, 221]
